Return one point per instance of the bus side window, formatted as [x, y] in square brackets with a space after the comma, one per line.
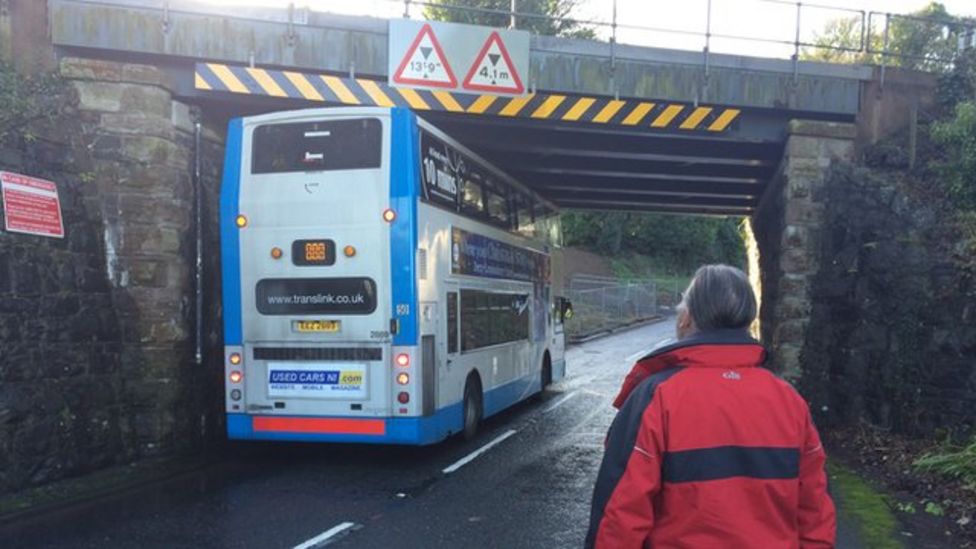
[471, 198]
[523, 209]
[497, 208]
[452, 332]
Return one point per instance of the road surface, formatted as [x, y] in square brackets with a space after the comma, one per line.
[526, 481]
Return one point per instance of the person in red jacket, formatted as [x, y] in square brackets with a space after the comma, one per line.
[709, 449]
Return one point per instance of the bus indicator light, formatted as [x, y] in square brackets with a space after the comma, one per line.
[403, 378]
[236, 376]
[241, 221]
[276, 253]
[403, 397]
[235, 358]
[389, 215]
[235, 394]
[349, 251]
[403, 360]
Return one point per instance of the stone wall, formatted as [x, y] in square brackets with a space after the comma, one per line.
[61, 368]
[97, 330]
[788, 228]
[893, 331]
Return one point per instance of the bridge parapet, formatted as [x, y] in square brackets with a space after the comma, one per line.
[350, 44]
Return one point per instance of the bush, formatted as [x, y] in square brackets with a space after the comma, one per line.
[959, 463]
[958, 138]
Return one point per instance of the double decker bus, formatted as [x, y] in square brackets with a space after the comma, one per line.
[381, 282]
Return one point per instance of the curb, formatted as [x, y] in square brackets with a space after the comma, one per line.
[159, 472]
[586, 338]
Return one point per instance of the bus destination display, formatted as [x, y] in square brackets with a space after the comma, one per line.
[313, 252]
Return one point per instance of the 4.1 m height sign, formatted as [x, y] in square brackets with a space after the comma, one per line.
[430, 55]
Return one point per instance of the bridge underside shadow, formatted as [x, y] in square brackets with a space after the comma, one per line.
[584, 166]
[610, 167]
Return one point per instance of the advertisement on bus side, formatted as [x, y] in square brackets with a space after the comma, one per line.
[478, 255]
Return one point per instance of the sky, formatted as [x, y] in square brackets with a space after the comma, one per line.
[667, 23]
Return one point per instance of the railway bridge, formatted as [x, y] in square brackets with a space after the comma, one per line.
[604, 127]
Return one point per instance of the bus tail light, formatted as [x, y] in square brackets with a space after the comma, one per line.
[403, 378]
[389, 215]
[235, 358]
[403, 397]
[236, 376]
[402, 360]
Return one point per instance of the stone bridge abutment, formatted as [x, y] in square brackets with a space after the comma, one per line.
[788, 227]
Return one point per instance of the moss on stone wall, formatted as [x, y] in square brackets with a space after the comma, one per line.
[893, 331]
[96, 329]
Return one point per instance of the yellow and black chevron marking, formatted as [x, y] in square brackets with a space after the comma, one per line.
[545, 106]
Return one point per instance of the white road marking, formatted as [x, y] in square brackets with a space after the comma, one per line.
[559, 402]
[473, 455]
[325, 536]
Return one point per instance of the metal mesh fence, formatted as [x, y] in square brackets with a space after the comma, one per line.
[602, 303]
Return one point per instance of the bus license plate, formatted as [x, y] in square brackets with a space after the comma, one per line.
[317, 325]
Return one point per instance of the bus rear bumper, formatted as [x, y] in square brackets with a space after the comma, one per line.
[406, 430]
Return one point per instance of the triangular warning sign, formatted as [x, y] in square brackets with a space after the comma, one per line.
[425, 63]
[493, 70]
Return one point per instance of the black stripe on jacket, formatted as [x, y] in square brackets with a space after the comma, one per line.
[723, 462]
[620, 444]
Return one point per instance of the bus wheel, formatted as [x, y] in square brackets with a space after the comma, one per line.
[472, 407]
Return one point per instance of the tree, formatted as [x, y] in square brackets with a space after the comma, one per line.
[841, 42]
[679, 244]
[926, 43]
[495, 13]
[924, 40]
[957, 137]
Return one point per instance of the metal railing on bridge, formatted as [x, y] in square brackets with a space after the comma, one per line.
[708, 27]
[870, 30]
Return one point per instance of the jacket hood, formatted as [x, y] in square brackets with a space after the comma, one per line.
[715, 349]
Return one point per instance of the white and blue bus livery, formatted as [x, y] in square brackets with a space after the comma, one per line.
[381, 282]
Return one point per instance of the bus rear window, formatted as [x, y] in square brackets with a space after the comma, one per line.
[317, 146]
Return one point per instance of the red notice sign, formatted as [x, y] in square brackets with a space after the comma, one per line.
[31, 205]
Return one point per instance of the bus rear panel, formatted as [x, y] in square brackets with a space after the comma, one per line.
[323, 321]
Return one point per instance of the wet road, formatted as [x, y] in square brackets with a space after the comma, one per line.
[530, 488]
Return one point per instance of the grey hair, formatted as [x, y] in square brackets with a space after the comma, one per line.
[720, 296]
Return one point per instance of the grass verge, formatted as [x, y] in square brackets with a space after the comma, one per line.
[865, 507]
